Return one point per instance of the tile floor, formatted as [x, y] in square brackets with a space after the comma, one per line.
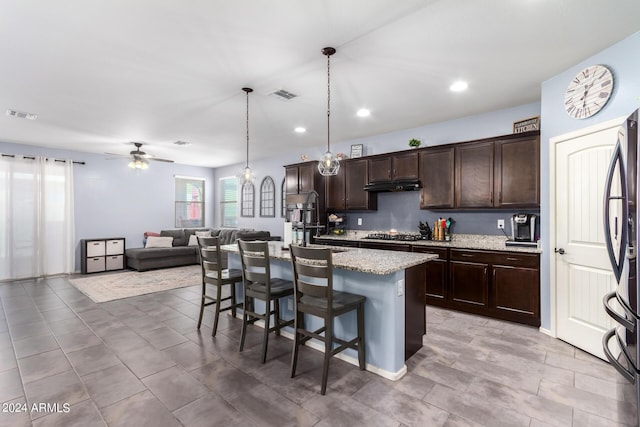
[141, 361]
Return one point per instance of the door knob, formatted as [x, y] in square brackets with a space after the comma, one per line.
[559, 251]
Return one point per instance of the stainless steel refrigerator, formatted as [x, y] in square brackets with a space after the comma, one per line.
[621, 237]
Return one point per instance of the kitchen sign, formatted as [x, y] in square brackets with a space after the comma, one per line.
[526, 125]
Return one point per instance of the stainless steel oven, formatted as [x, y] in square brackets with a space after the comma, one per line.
[620, 343]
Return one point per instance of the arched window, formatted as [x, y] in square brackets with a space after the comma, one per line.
[247, 202]
[267, 198]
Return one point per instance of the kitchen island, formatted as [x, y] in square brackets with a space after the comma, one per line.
[394, 285]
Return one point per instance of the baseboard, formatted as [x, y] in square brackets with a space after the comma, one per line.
[393, 376]
[546, 332]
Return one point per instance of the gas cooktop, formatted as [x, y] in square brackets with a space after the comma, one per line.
[399, 236]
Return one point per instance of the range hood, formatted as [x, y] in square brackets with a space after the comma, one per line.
[404, 185]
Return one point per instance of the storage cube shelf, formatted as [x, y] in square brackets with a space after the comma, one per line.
[98, 255]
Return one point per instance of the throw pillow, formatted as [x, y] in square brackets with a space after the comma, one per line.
[193, 240]
[203, 233]
[159, 242]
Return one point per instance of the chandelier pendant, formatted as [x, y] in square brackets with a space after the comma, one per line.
[328, 165]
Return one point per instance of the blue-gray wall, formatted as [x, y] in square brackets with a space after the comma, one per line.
[624, 60]
[399, 210]
[111, 200]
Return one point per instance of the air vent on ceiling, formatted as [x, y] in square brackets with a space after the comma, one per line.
[283, 95]
[21, 115]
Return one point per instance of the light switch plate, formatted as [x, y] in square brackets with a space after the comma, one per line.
[359, 221]
[400, 287]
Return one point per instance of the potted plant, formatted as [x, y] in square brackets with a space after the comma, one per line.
[414, 143]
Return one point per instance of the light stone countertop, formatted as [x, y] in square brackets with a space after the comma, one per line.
[373, 261]
[459, 241]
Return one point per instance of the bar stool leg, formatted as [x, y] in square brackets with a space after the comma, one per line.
[217, 315]
[361, 345]
[245, 320]
[296, 342]
[328, 344]
[265, 338]
[202, 305]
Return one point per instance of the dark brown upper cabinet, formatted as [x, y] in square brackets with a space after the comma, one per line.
[303, 178]
[394, 167]
[345, 190]
[517, 177]
[501, 172]
[437, 178]
[474, 175]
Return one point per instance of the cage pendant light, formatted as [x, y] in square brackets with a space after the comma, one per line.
[247, 175]
[328, 164]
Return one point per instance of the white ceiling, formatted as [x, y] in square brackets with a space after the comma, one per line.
[102, 73]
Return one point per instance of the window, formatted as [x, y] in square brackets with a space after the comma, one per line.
[229, 202]
[247, 205]
[268, 198]
[189, 200]
[283, 199]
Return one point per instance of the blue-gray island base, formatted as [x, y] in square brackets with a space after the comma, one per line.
[394, 285]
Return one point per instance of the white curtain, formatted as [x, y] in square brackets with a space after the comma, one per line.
[36, 217]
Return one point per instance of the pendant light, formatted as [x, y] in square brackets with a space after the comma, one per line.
[246, 176]
[328, 164]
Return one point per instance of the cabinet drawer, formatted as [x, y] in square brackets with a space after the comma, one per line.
[515, 259]
[95, 264]
[471, 256]
[441, 252]
[115, 247]
[115, 262]
[95, 248]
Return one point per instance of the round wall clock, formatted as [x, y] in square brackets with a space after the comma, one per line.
[588, 92]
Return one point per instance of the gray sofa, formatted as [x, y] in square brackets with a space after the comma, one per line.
[143, 259]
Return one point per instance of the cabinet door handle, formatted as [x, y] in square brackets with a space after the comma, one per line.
[467, 255]
[513, 259]
[485, 271]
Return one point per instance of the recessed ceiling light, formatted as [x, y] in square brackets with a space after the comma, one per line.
[300, 129]
[458, 86]
[363, 112]
[182, 143]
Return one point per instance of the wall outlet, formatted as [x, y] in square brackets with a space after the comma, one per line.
[400, 287]
[359, 221]
[501, 224]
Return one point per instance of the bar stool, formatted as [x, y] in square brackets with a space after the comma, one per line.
[214, 274]
[258, 284]
[314, 295]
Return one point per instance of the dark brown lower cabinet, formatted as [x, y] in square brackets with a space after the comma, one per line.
[437, 275]
[515, 281]
[502, 285]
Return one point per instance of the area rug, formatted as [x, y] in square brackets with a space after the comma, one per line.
[112, 286]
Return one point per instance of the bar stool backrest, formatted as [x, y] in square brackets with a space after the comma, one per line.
[312, 273]
[210, 257]
[255, 262]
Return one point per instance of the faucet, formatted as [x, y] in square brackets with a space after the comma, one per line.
[307, 203]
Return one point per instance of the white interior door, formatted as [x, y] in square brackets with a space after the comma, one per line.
[583, 271]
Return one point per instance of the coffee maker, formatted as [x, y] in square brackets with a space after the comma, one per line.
[523, 227]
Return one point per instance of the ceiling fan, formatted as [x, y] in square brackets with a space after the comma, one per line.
[139, 159]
